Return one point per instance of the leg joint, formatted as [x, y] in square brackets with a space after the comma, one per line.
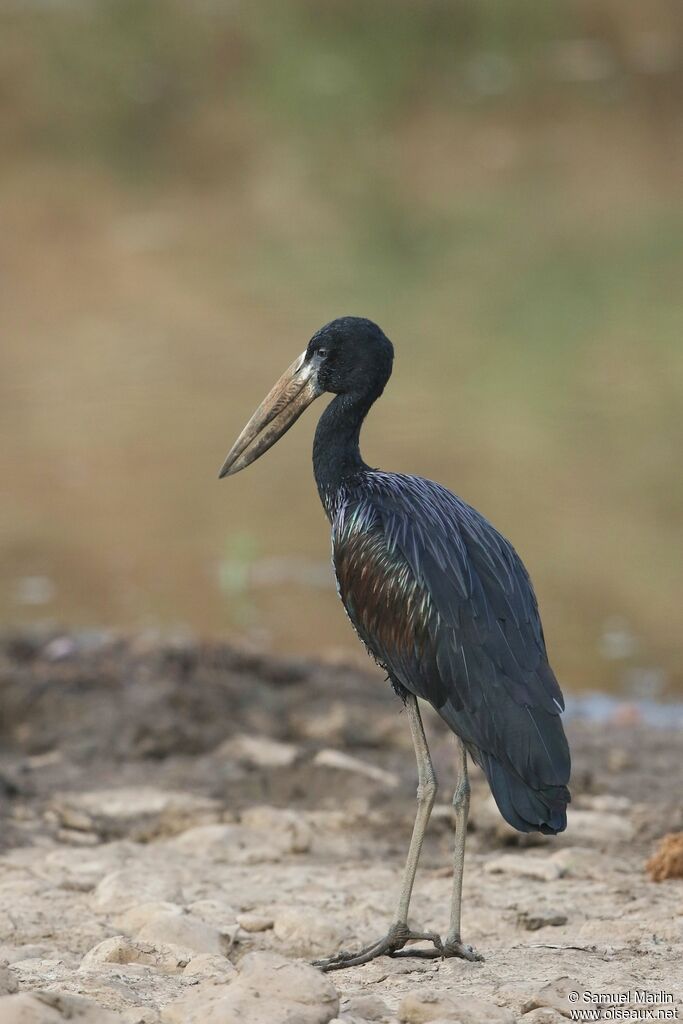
[427, 789]
[461, 797]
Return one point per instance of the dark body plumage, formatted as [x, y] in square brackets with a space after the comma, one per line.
[443, 602]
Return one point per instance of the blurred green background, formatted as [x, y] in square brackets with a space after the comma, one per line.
[190, 190]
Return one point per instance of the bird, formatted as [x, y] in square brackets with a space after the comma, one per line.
[442, 602]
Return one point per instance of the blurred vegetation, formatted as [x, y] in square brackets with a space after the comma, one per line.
[190, 190]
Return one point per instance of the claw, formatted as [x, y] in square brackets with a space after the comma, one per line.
[391, 945]
[456, 948]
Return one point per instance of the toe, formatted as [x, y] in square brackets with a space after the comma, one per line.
[461, 951]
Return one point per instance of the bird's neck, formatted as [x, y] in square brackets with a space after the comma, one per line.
[336, 452]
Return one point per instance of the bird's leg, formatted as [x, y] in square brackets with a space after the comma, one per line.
[399, 933]
[454, 946]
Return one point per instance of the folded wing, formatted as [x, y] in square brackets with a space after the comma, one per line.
[444, 603]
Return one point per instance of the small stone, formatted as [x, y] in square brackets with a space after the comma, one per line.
[8, 983]
[523, 865]
[209, 967]
[13, 954]
[254, 922]
[184, 931]
[136, 812]
[72, 837]
[233, 844]
[369, 1007]
[130, 887]
[303, 932]
[135, 918]
[53, 1008]
[119, 949]
[598, 828]
[268, 988]
[283, 822]
[423, 1005]
[555, 995]
[532, 921]
[607, 802]
[259, 751]
[140, 1015]
[618, 760]
[329, 758]
[220, 915]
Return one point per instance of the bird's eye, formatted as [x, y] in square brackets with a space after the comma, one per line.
[322, 352]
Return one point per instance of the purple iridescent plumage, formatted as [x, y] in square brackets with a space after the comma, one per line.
[443, 602]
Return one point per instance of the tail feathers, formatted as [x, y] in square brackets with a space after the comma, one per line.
[526, 809]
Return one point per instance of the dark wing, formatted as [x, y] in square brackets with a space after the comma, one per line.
[444, 603]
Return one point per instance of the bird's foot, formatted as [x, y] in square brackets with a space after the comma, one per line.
[453, 947]
[391, 945]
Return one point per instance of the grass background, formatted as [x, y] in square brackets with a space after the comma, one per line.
[188, 192]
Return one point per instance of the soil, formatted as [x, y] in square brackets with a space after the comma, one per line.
[144, 778]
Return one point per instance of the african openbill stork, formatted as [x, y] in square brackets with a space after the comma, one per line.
[442, 602]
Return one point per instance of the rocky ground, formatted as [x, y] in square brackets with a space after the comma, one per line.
[185, 827]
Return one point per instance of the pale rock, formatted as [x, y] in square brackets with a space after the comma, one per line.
[259, 751]
[140, 1015]
[119, 949]
[130, 887]
[82, 868]
[328, 726]
[555, 995]
[53, 1008]
[523, 865]
[336, 759]
[424, 1005]
[533, 920]
[39, 972]
[216, 912]
[598, 827]
[268, 989]
[368, 1006]
[8, 983]
[280, 821]
[255, 922]
[135, 918]
[232, 844]
[185, 931]
[137, 812]
[121, 986]
[12, 954]
[209, 967]
[74, 837]
[587, 862]
[606, 802]
[303, 931]
[221, 917]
